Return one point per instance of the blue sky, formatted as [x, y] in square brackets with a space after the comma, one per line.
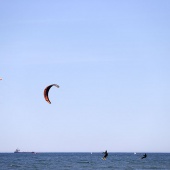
[111, 61]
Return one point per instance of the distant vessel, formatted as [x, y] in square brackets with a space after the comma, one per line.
[18, 151]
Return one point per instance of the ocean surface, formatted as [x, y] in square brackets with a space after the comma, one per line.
[82, 161]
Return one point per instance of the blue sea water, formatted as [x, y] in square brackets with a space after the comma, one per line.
[83, 161]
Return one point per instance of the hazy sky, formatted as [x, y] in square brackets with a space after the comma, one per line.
[111, 59]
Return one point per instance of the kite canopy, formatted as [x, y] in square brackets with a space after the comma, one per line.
[46, 90]
[0, 78]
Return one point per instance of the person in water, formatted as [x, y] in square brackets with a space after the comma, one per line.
[144, 156]
[105, 155]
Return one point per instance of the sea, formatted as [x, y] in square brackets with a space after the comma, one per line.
[84, 161]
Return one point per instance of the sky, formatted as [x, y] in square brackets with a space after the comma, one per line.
[111, 60]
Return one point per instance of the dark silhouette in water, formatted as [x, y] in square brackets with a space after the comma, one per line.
[105, 155]
[144, 156]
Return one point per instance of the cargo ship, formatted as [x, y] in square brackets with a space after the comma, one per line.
[18, 151]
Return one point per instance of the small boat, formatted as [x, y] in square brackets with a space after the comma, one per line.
[18, 151]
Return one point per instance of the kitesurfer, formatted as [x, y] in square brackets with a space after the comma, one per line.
[144, 156]
[105, 155]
